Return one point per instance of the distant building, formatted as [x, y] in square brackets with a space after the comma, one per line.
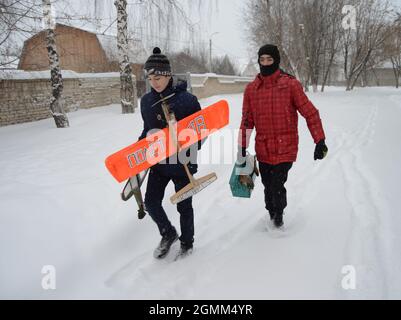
[80, 51]
[382, 75]
[251, 70]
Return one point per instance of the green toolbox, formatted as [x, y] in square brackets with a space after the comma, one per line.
[249, 171]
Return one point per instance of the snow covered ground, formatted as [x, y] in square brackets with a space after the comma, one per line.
[59, 206]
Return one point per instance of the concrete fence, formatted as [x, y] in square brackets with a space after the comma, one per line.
[210, 84]
[25, 96]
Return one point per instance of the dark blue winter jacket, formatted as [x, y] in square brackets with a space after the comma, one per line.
[182, 104]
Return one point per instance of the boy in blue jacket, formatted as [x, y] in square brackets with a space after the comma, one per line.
[183, 104]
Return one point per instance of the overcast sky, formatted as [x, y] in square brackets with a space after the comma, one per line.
[223, 18]
[230, 39]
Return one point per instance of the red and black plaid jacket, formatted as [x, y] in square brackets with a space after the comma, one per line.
[270, 106]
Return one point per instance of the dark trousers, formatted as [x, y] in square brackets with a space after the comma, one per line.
[273, 178]
[155, 189]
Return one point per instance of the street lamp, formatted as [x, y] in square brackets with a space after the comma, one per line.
[210, 51]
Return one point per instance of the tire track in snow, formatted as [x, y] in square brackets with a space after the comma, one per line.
[307, 185]
[360, 191]
[366, 246]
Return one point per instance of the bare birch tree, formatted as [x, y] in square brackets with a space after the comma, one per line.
[332, 39]
[321, 35]
[56, 100]
[17, 22]
[127, 92]
[392, 51]
[312, 41]
[270, 21]
[372, 29]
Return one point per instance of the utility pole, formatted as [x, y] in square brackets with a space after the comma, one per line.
[210, 55]
[210, 52]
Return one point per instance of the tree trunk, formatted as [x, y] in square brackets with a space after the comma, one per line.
[396, 71]
[353, 84]
[329, 66]
[376, 78]
[307, 83]
[359, 72]
[348, 84]
[326, 75]
[315, 88]
[56, 101]
[397, 77]
[314, 78]
[127, 92]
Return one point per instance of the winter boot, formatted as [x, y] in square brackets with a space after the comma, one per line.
[185, 250]
[278, 219]
[165, 244]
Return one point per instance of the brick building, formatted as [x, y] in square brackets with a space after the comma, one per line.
[80, 51]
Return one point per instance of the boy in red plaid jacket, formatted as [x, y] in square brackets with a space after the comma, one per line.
[271, 105]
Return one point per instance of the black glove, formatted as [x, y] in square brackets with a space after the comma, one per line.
[320, 150]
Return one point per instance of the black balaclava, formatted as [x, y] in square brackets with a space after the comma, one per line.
[272, 51]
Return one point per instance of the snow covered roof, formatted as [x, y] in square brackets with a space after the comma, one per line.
[386, 65]
[250, 70]
[242, 64]
[198, 80]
